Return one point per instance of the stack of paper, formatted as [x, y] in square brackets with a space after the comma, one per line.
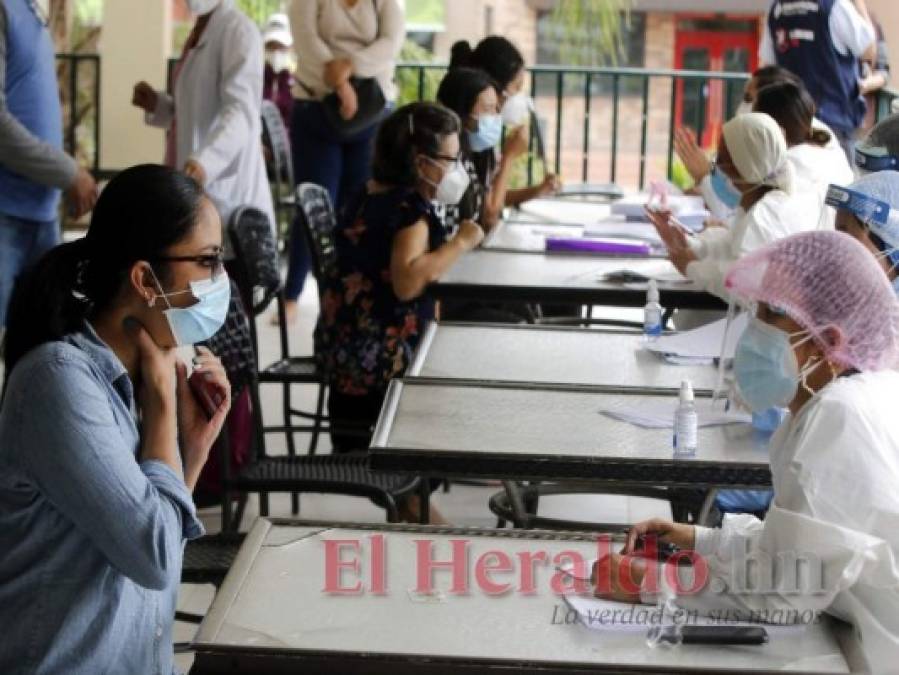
[661, 415]
[633, 206]
[558, 211]
[701, 345]
[621, 229]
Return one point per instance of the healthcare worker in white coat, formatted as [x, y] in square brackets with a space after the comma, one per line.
[213, 120]
[817, 157]
[753, 154]
[825, 343]
[720, 197]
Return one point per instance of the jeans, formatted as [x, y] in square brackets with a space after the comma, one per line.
[22, 242]
[341, 166]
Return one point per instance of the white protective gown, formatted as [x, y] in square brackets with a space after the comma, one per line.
[775, 216]
[812, 166]
[217, 112]
[835, 471]
[818, 167]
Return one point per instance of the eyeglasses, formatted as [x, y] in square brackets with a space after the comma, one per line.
[213, 261]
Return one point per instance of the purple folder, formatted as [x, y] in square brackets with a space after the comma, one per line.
[596, 247]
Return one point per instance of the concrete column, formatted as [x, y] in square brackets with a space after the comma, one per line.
[134, 45]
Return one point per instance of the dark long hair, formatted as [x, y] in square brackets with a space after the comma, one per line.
[459, 91]
[767, 75]
[495, 55]
[793, 109]
[142, 212]
[416, 128]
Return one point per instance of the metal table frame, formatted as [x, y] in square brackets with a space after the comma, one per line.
[505, 466]
[424, 346]
[587, 292]
[221, 659]
[597, 472]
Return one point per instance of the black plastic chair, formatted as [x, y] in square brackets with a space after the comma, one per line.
[348, 474]
[257, 274]
[277, 140]
[518, 504]
[206, 561]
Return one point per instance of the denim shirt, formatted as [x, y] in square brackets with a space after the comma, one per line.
[91, 537]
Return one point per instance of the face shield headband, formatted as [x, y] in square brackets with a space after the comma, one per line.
[882, 220]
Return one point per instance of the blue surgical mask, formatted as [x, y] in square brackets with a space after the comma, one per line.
[765, 366]
[724, 188]
[490, 130]
[204, 318]
[896, 286]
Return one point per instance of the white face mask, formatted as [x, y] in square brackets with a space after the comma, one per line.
[452, 186]
[279, 60]
[516, 110]
[201, 7]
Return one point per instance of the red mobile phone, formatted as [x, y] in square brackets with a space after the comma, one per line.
[208, 395]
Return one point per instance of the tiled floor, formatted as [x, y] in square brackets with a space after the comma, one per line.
[463, 504]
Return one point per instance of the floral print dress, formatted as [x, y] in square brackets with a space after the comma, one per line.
[365, 335]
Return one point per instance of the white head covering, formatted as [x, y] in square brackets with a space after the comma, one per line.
[277, 29]
[759, 150]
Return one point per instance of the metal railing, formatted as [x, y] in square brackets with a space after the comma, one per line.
[597, 92]
[625, 126]
[79, 80]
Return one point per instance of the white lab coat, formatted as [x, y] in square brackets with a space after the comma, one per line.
[775, 216]
[818, 167]
[811, 165]
[217, 103]
[835, 470]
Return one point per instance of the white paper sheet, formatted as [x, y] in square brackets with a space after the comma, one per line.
[560, 211]
[633, 206]
[703, 342]
[661, 415]
[618, 228]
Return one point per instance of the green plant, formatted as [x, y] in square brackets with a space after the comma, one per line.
[589, 32]
[260, 10]
[407, 79]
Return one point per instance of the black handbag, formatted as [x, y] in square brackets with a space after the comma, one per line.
[371, 107]
[369, 95]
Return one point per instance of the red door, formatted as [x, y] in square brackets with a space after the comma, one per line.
[718, 45]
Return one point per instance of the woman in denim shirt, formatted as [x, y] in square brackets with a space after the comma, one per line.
[101, 440]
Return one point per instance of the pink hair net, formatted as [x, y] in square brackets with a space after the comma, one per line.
[826, 280]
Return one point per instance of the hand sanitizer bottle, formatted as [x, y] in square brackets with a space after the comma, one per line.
[652, 313]
[686, 422]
